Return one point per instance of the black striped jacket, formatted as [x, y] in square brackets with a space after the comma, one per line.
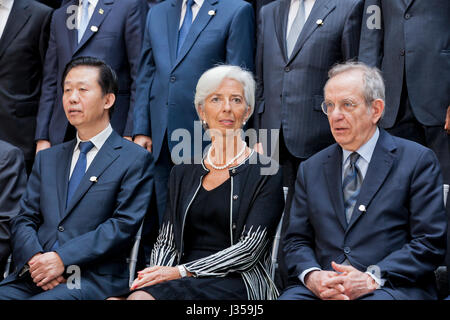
[256, 206]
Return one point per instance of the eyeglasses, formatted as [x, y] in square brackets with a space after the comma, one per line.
[345, 106]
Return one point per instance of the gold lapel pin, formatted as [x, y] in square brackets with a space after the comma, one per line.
[93, 179]
[101, 11]
[94, 29]
[319, 22]
[211, 12]
[362, 208]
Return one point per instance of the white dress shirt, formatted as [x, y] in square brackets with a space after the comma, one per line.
[293, 12]
[92, 5]
[5, 10]
[195, 9]
[98, 142]
[365, 152]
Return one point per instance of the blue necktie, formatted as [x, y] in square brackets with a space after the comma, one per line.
[79, 170]
[187, 22]
[84, 20]
[351, 185]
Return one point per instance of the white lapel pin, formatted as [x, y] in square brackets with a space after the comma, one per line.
[94, 29]
[93, 179]
[319, 22]
[211, 12]
[362, 208]
[101, 11]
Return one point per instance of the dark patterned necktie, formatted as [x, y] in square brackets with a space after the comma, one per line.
[351, 185]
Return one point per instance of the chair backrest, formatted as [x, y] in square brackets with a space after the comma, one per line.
[446, 187]
[276, 240]
[134, 255]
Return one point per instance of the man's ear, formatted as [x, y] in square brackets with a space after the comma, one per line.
[109, 101]
[377, 109]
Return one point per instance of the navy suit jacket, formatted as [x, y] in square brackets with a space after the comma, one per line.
[290, 91]
[413, 45]
[22, 51]
[117, 41]
[222, 32]
[96, 229]
[402, 231]
[13, 180]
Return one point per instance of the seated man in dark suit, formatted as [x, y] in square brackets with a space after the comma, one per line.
[367, 220]
[13, 180]
[84, 201]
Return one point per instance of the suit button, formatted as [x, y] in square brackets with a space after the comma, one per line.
[172, 79]
[60, 228]
[287, 69]
[402, 52]
[347, 250]
[233, 171]
[407, 16]
[233, 226]
[235, 197]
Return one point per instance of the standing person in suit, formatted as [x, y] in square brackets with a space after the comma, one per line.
[110, 30]
[184, 38]
[367, 220]
[411, 47]
[13, 180]
[298, 42]
[84, 201]
[24, 30]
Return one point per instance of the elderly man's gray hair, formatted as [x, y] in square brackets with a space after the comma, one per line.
[212, 78]
[373, 84]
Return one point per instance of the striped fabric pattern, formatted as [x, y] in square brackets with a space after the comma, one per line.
[250, 256]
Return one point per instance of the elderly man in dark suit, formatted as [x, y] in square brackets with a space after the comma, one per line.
[298, 42]
[84, 201]
[367, 220]
[110, 30]
[24, 30]
[13, 179]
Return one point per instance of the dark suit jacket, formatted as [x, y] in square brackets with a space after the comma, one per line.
[96, 230]
[222, 32]
[118, 42]
[290, 91]
[13, 180]
[413, 42]
[22, 51]
[402, 231]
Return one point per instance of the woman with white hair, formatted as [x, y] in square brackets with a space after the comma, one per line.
[222, 213]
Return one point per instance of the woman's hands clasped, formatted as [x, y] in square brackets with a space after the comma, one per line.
[154, 275]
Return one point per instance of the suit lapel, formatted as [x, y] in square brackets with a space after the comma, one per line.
[408, 3]
[104, 158]
[379, 168]
[280, 18]
[200, 22]
[100, 12]
[18, 17]
[333, 174]
[173, 22]
[320, 10]
[62, 174]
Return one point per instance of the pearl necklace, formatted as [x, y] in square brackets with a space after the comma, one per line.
[240, 153]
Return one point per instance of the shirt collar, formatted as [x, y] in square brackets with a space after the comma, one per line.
[92, 2]
[197, 2]
[6, 4]
[366, 150]
[99, 139]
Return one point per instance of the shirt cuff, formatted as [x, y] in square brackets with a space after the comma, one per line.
[378, 280]
[304, 273]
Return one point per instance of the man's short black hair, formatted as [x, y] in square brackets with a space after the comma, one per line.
[107, 76]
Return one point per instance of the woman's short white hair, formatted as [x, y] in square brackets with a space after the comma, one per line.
[212, 78]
